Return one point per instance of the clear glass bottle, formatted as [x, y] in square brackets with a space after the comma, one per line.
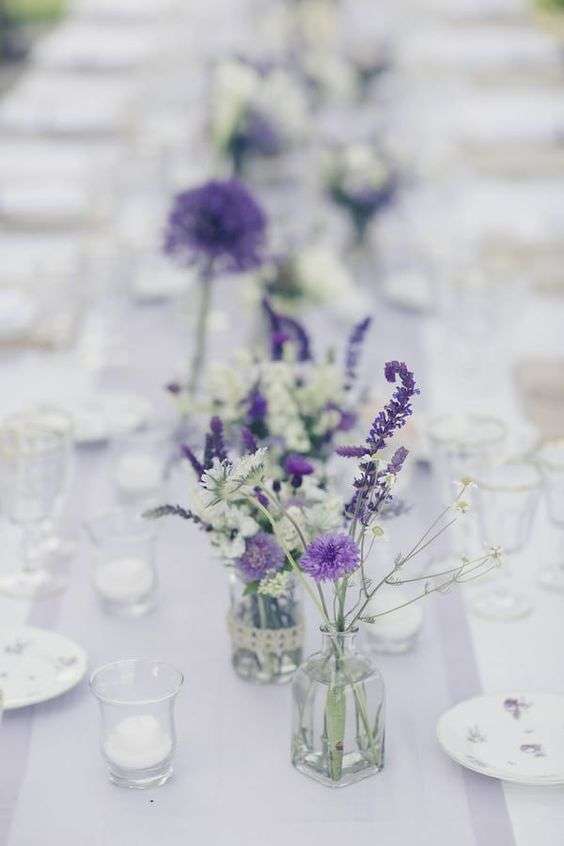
[338, 713]
[267, 633]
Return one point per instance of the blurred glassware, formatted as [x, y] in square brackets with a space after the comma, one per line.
[551, 462]
[137, 698]
[34, 473]
[124, 573]
[140, 461]
[464, 445]
[507, 498]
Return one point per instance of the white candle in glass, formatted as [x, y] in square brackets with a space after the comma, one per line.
[138, 743]
[138, 472]
[397, 627]
[124, 579]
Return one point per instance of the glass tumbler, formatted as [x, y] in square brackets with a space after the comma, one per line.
[124, 573]
[507, 501]
[551, 463]
[138, 739]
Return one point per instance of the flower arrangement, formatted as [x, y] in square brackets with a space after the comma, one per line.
[291, 402]
[220, 228]
[310, 276]
[344, 741]
[256, 111]
[359, 180]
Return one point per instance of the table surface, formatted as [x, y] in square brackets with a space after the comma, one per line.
[233, 782]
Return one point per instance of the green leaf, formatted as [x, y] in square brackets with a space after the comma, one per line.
[251, 588]
[335, 715]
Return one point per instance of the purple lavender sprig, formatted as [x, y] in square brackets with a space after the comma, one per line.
[284, 329]
[214, 448]
[354, 350]
[217, 433]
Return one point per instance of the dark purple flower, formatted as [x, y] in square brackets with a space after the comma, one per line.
[259, 134]
[347, 421]
[297, 465]
[249, 441]
[354, 350]
[174, 388]
[218, 441]
[262, 555]
[257, 406]
[284, 329]
[197, 467]
[218, 222]
[329, 557]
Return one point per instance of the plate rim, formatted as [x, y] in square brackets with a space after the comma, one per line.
[83, 668]
[493, 773]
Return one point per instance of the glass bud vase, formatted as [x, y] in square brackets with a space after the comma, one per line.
[338, 713]
[267, 633]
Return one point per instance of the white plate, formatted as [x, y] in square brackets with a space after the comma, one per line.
[511, 736]
[37, 665]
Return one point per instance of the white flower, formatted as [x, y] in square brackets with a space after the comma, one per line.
[325, 280]
[233, 88]
[225, 481]
[280, 100]
[274, 585]
[462, 506]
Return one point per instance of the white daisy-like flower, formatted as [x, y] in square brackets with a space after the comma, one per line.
[274, 585]
[462, 506]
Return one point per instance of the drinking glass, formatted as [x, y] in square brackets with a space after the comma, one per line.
[124, 572]
[138, 739]
[464, 445]
[551, 463]
[34, 471]
[507, 501]
[140, 461]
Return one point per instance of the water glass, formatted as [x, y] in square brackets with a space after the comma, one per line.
[35, 454]
[138, 739]
[124, 573]
[551, 463]
[507, 501]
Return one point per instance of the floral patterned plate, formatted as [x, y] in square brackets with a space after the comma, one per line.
[511, 736]
[37, 665]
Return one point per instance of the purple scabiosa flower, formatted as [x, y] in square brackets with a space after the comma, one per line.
[284, 329]
[354, 350]
[262, 555]
[219, 222]
[329, 557]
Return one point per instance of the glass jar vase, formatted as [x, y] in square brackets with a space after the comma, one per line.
[267, 633]
[338, 713]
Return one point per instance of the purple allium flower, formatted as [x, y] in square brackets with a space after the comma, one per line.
[284, 329]
[218, 222]
[262, 555]
[329, 557]
[353, 351]
[297, 465]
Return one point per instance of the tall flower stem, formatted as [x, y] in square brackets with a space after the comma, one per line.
[199, 352]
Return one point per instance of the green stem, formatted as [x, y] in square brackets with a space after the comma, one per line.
[199, 352]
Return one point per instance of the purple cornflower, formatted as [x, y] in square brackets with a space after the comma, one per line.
[262, 555]
[284, 329]
[219, 222]
[329, 557]
[354, 350]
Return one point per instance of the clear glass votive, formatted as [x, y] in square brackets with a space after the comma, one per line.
[138, 739]
[139, 463]
[124, 572]
[394, 631]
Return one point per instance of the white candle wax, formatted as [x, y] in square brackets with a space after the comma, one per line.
[138, 473]
[137, 743]
[123, 579]
[402, 624]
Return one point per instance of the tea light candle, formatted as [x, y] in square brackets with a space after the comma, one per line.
[138, 473]
[396, 631]
[138, 743]
[124, 579]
